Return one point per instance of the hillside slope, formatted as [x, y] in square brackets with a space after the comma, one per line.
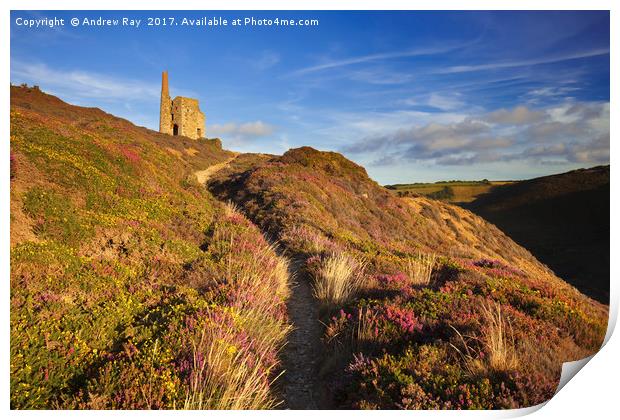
[133, 286]
[127, 276]
[562, 219]
[405, 340]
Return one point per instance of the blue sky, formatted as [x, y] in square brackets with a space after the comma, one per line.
[412, 96]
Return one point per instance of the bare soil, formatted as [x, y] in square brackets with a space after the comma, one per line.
[204, 175]
[302, 354]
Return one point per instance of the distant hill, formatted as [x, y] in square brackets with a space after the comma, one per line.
[325, 194]
[455, 192]
[562, 219]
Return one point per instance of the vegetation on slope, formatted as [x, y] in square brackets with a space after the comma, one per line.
[425, 304]
[562, 219]
[131, 286]
[457, 192]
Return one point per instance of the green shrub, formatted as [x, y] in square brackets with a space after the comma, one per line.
[56, 217]
[446, 193]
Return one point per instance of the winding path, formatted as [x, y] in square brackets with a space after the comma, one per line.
[302, 353]
[204, 175]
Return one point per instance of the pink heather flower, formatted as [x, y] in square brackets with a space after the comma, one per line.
[393, 279]
[236, 218]
[131, 155]
[359, 363]
[13, 165]
[404, 318]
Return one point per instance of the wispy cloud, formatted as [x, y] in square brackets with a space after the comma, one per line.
[380, 76]
[250, 129]
[546, 93]
[239, 134]
[516, 116]
[524, 63]
[570, 133]
[126, 97]
[414, 52]
[266, 60]
[82, 84]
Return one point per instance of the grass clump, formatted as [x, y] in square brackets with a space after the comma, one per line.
[497, 352]
[498, 338]
[338, 280]
[420, 269]
[227, 375]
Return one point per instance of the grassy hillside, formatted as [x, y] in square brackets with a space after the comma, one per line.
[128, 278]
[562, 219]
[449, 191]
[133, 286]
[425, 305]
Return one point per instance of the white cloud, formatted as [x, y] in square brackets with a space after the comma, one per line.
[448, 101]
[266, 60]
[550, 92]
[445, 102]
[380, 76]
[238, 134]
[596, 150]
[569, 133]
[524, 63]
[414, 52]
[433, 140]
[517, 116]
[82, 84]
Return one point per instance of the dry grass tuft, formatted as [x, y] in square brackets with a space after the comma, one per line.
[419, 269]
[230, 208]
[365, 331]
[339, 279]
[498, 339]
[225, 377]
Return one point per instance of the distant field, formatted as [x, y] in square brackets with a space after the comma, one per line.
[449, 191]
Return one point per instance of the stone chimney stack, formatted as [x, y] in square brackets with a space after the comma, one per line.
[165, 106]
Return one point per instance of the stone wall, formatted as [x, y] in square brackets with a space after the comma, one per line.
[187, 119]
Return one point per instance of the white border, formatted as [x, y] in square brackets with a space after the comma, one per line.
[592, 393]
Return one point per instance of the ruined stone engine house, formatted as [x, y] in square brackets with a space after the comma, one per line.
[180, 116]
